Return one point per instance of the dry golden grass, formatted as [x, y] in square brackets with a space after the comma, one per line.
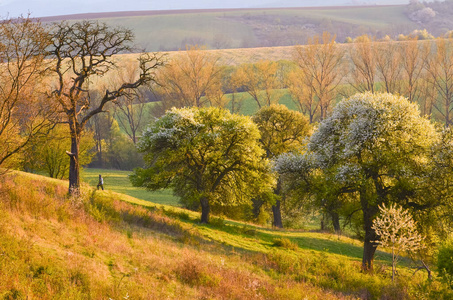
[99, 247]
[231, 57]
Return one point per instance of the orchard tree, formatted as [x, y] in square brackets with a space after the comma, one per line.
[24, 113]
[397, 230]
[378, 147]
[81, 53]
[205, 154]
[282, 130]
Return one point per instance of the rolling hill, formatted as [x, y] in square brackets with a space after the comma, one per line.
[245, 28]
[105, 245]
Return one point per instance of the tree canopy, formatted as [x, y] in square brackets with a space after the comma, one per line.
[282, 130]
[205, 154]
[377, 147]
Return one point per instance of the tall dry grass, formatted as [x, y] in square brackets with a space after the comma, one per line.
[98, 247]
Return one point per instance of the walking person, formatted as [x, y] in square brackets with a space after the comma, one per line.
[101, 182]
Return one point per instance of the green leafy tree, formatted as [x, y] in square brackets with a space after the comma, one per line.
[49, 153]
[313, 189]
[205, 154]
[282, 130]
[445, 262]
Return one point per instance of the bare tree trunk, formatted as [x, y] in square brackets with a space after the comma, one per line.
[74, 171]
[277, 214]
[204, 210]
[276, 209]
[370, 242]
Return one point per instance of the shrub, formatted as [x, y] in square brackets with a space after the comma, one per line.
[101, 207]
[192, 273]
[217, 222]
[445, 262]
[285, 243]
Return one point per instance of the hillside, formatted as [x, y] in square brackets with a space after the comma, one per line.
[244, 28]
[100, 246]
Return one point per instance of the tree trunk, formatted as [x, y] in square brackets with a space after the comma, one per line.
[276, 210]
[277, 214]
[370, 241]
[74, 168]
[204, 210]
[369, 248]
[369, 244]
[335, 221]
[256, 207]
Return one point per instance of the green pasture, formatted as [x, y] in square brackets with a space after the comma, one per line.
[118, 181]
[253, 238]
[239, 235]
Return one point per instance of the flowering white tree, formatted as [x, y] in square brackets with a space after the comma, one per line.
[396, 230]
[378, 148]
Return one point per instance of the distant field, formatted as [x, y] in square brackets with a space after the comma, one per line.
[171, 30]
[117, 181]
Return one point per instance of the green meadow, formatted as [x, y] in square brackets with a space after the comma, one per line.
[118, 181]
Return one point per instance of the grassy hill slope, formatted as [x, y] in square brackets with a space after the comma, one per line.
[238, 28]
[99, 246]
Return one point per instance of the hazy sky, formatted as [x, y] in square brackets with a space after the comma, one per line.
[41, 8]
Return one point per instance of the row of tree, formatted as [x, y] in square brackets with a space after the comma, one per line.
[374, 150]
[319, 75]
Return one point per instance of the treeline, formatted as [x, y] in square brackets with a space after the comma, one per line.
[319, 74]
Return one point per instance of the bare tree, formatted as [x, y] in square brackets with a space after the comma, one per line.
[388, 66]
[24, 113]
[260, 80]
[440, 77]
[363, 63]
[302, 95]
[81, 52]
[189, 79]
[413, 57]
[130, 109]
[320, 62]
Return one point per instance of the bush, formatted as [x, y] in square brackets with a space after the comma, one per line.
[217, 222]
[445, 262]
[285, 243]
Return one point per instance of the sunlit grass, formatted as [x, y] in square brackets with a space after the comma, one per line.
[99, 247]
[118, 181]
